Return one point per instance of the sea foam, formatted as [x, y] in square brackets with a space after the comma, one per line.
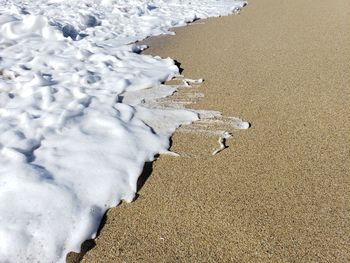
[74, 134]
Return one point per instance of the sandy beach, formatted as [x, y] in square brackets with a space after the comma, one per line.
[280, 192]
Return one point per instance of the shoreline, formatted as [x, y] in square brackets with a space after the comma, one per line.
[87, 245]
[278, 193]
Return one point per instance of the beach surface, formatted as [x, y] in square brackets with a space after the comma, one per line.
[280, 192]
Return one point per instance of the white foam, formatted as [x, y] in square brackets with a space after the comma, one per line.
[74, 133]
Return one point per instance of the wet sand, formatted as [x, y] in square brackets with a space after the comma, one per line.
[281, 191]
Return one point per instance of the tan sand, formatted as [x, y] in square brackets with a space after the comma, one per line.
[281, 191]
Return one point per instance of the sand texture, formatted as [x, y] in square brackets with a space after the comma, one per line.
[281, 191]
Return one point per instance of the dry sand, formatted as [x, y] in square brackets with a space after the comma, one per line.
[281, 191]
